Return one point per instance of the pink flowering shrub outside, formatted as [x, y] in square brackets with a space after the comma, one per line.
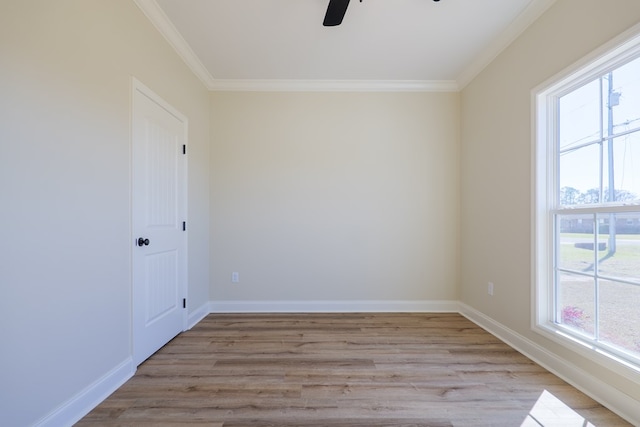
[573, 316]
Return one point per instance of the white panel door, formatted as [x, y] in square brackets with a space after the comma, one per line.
[159, 236]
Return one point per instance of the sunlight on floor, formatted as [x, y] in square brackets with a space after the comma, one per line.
[551, 411]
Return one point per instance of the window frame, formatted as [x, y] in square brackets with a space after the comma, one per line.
[545, 174]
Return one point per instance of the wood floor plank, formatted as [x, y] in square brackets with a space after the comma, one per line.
[356, 369]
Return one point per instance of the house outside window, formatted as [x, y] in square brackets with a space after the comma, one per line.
[586, 229]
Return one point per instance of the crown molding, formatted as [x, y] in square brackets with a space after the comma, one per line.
[162, 23]
[335, 85]
[528, 16]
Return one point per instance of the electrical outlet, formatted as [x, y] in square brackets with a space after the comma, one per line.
[490, 288]
[235, 277]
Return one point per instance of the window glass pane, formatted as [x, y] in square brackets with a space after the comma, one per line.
[625, 98]
[579, 115]
[576, 242]
[626, 169]
[622, 256]
[576, 303]
[620, 315]
[580, 176]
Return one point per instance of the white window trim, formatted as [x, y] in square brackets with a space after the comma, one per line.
[543, 109]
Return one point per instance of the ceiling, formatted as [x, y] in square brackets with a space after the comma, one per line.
[381, 44]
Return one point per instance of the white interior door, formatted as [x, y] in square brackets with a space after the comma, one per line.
[159, 209]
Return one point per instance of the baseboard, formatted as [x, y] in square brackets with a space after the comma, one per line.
[81, 404]
[612, 398]
[356, 306]
[197, 315]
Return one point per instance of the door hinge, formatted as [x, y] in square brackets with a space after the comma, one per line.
[184, 303]
[184, 225]
[184, 149]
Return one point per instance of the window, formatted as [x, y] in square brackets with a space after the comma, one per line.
[587, 217]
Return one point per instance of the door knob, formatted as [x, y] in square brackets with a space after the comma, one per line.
[143, 242]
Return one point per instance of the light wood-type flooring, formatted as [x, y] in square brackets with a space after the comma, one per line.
[367, 370]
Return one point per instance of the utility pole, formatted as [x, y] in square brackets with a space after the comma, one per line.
[613, 100]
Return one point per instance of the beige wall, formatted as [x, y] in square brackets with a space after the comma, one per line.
[496, 159]
[311, 196]
[334, 196]
[65, 269]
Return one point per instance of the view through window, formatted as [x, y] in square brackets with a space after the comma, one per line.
[593, 207]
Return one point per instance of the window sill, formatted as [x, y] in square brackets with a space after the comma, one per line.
[606, 359]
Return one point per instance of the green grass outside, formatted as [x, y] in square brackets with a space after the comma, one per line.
[625, 262]
[619, 309]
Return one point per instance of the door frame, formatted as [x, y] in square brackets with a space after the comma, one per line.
[137, 85]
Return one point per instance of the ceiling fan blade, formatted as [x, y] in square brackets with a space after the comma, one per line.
[335, 12]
